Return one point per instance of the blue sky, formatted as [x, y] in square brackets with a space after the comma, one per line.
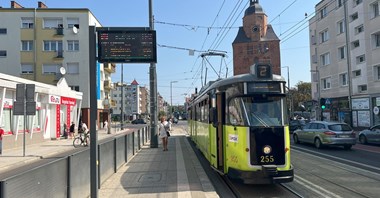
[183, 25]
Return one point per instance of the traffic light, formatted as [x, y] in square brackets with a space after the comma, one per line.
[322, 102]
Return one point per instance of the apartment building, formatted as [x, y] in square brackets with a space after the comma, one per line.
[135, 100]
[345, 61]
[35, 43]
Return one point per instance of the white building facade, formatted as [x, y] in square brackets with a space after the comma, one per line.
[56, 107]
[132, 101]
[345, 61]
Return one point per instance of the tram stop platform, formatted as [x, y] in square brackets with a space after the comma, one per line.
[153, 172]
[150, 173]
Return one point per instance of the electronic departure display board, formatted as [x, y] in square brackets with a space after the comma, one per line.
[126, 45]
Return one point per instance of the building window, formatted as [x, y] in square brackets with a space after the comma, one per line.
[342, 52]
[374, 9]
[355, 44]
[50, 69]
[26, 45]
[357, 2]
[354, 16]
[325, 59]
[324, 36]
[74, 87]
[362, 88]
[73, 45]
[357, 73]
[343, 79]
[339, 3]
[359, 29]
[323, 12]
[53, 46]
[27, 69]
[3, 53]
[3, 30]
[376, 40]
[27, 23]
[360, 59]
[53, 23]
[73, 22]
[377, 72]
[326, 83]
[73, 68]
[340, 27]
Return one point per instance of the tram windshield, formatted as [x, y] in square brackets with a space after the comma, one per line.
[256, 111]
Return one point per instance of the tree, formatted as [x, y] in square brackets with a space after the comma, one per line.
[300, 94]
[161, 113]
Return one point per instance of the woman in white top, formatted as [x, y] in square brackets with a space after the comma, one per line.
[162, 132]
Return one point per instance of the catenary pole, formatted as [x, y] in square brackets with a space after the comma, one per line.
[153, 91]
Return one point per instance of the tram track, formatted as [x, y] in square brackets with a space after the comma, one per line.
[332, 177]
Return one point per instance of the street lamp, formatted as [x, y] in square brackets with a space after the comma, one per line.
[318, 89]
[106, 105]
[171, 98]
[290, 99]
[287, 68]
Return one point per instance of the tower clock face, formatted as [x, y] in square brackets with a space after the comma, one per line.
[255, 28]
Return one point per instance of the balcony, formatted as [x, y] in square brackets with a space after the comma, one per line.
[108, 85]
[59, 31]
[59, 54]
[110, 67]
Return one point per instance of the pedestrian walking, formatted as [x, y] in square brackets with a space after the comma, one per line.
[1, 140]
[72, 128]
[162, 130]
[105, 125]
[64, 134]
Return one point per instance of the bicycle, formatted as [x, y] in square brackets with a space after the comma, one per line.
[83, 139]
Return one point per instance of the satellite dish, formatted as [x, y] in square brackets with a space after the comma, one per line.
[62, 70]
[75, 30]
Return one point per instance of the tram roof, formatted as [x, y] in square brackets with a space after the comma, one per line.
[237, 79]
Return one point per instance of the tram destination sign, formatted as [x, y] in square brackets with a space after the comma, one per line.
[126, 45]
[264, 87]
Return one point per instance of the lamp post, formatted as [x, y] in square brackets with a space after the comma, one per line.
[106, 105]
[318, 90]
[290, 99]
[171, 97]
[122, 99]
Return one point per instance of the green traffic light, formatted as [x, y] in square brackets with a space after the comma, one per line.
[323, 107]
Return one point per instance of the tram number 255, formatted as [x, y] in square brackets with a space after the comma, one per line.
[266, 159]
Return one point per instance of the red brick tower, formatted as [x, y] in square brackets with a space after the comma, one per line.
[256, 42]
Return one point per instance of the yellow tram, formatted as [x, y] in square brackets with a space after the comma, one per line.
[240, 125]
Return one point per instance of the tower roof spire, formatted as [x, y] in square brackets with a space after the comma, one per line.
[254, 7]
[253, 2]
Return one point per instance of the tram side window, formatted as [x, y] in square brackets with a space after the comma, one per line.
[234, 112]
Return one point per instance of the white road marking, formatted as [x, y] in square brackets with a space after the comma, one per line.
[314, 187]
[183, 187]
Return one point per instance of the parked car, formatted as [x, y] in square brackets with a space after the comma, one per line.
[296, 124]
[174, 120]
[371, 135]
[139, 121]
[322, 133]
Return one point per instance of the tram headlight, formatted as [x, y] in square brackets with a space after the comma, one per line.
[267, 149]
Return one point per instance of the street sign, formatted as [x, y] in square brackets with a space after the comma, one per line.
[328, 101]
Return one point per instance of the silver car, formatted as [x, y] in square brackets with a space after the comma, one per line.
[322, 133]
[371, 135]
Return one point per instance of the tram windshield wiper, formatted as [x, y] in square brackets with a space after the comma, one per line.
[259, 119]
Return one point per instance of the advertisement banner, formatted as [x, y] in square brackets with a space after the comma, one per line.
[54, 99]
[68, 101]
